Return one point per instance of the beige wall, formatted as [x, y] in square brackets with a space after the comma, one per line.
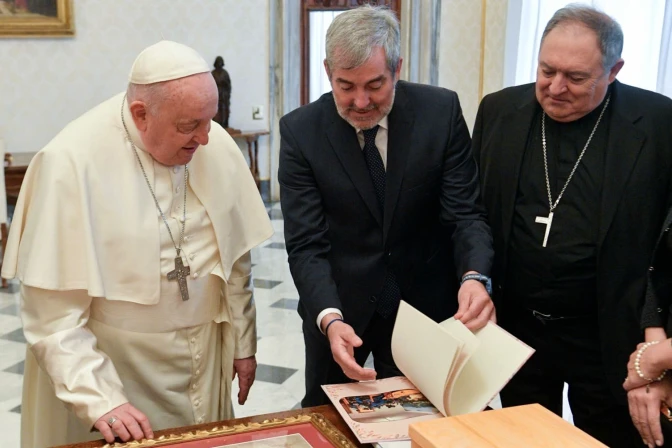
[46, 83]
[461, 50]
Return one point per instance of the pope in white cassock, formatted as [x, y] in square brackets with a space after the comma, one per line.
[131, 239]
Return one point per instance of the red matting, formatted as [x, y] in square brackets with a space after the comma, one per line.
[326, 411]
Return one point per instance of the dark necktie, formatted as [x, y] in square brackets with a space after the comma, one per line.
[389, 297]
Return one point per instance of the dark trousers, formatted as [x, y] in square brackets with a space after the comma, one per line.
[568, 351]
[322, 369]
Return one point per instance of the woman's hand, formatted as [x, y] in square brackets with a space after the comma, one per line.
[645, 403]
[650, 363]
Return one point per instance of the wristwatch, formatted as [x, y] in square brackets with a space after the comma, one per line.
[487, 281]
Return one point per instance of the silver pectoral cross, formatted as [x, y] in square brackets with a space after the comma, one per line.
[548, 221]
[180, 274]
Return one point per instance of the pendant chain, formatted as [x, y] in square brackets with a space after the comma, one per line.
[552, 204]
[178, 248]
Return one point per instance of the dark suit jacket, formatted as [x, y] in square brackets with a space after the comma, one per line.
[635, 196]
[338, 244]
[658, 305]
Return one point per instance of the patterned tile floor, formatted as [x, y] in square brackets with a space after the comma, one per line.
[280, 383]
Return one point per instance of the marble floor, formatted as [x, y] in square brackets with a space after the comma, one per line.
[279, 384]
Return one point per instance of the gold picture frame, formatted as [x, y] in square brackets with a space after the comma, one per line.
[36, 18]
[317, 422]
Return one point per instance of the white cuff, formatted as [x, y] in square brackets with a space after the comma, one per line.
[324, 313]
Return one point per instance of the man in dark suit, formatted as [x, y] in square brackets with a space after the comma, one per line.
[575, 175]
[379, 192]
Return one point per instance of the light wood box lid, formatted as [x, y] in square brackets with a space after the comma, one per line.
[515, 427]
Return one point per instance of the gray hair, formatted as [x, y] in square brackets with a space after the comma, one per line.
[150, 94]
[608, 31]
[353, 35]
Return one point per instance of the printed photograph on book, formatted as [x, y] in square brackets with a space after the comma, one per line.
[387, 406]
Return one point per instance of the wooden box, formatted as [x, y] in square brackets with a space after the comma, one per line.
[515, 427]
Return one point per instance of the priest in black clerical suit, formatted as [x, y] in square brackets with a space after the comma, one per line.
[575, 173]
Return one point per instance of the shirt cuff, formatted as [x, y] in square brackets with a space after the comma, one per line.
[324, 313]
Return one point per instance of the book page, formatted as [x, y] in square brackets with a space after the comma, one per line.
[471, 344]
[499, 356]
[424, 352]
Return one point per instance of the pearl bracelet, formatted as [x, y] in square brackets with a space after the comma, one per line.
[638, 358]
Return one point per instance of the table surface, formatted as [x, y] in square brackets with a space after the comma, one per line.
[247, 134]
[328, 411]
[21, 159]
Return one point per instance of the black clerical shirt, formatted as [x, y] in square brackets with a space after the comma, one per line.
[559, 279]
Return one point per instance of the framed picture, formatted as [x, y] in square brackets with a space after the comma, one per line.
[302, 431]
[36, 18]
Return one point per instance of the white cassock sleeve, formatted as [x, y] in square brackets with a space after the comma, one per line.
[238, 294]
[83, 377]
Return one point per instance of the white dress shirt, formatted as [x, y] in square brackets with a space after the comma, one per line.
[381, 144]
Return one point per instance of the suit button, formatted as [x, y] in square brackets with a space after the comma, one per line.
[651, 269]
[389, 254]
[373, 299]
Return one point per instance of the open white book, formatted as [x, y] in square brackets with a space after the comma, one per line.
[448, 371]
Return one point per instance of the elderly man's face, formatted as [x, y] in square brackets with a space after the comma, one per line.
[365, 94]
[181, 122]
[571, 81]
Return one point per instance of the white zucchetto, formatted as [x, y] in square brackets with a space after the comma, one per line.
[165, 61]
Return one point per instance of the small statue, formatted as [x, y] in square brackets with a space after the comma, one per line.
[223, 82]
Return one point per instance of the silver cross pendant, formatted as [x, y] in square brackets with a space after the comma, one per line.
[180, 273]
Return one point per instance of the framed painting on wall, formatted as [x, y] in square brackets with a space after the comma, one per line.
[301, 431]
[36, 18]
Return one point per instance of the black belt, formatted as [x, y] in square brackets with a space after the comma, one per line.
[546, 317]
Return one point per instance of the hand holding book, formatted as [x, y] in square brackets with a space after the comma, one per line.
[475, 307]
[448, 371]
